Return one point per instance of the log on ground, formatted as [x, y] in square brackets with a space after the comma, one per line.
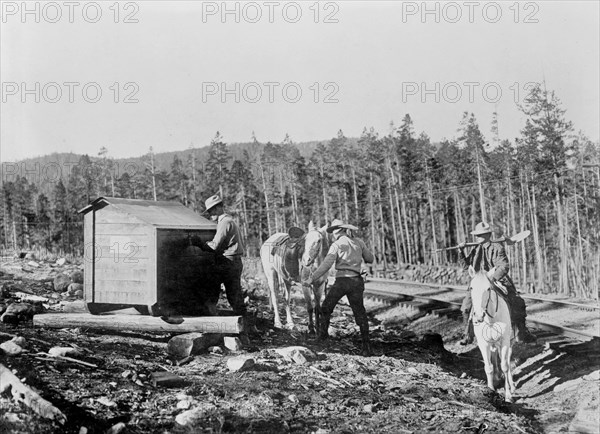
[203, 324]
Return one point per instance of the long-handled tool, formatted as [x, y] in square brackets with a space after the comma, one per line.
[509, 241]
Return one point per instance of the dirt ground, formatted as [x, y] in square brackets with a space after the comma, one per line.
[412, 384]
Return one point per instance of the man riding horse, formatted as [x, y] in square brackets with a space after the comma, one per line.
[491, 257]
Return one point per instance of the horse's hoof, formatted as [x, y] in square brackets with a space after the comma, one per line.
[278, 325]
[312, 332]
[509, 400]
[290, 327]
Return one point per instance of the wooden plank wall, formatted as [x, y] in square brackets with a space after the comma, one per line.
[124, 263]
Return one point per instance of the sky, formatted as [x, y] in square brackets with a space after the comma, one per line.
[133, 75]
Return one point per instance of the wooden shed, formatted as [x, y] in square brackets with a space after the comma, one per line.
[138, 253]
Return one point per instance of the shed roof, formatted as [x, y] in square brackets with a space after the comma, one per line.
[164, 214]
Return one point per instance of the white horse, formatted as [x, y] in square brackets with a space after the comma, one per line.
[285, 265]
[493, 330]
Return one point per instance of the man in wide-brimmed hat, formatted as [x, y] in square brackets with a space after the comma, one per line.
[229, 248]
[491, 257]
[347, 253]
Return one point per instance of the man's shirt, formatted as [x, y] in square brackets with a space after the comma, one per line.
[347, 254]
[227, 240]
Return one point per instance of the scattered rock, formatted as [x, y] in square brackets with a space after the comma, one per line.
[232, 343]
[105, 401]
[368, 408]
[33, 264]
[184, 405]
[73, 306]
[241, 363]
[126, 373]
[116, 429]
[77, 277]
[61, 261]
[73, 288]
[63, 351]
[297, 354]
[215, 350]
[62, 282]
[189, 344]
[16, 312]
[195, 415]
[165, 379]
[20, 341]
[10, 348]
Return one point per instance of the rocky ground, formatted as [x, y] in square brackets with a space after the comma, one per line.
[283, 381]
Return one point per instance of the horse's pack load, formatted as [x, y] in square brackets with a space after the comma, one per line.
[138, 254]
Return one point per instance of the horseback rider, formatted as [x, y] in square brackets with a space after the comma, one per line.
[491, 257]
[347, 253]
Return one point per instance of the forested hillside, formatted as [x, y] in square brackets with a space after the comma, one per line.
[408, 196]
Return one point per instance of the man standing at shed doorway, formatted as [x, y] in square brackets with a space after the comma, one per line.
[228, 248]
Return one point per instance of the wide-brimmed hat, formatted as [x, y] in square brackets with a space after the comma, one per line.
[338, 224]
[482, 228]
[213, 201]
[295, 232]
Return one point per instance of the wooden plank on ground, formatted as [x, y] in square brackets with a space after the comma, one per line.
[121, 322]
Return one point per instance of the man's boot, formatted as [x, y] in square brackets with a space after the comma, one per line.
[366, 343]
[523, 334]
[469, 334]
[323, 332]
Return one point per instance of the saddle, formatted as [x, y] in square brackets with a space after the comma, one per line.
[501, 289]
[288, 248]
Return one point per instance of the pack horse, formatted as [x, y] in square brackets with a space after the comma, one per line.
[286, 258]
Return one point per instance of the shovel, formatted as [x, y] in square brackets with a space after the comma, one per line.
[509, 241]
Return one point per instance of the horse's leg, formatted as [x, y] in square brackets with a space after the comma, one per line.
[509, 385]
[318, 295]
[273, 284]
[309, 308]
[288, 306]
[486, 353]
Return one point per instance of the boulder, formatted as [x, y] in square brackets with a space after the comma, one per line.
[74, 287]
[195, 415]
[10, 348]
[232, 343]
[190, 344]
[61, 261]
[62, 282]
[77, 276]
[17, 312]
[238, 364]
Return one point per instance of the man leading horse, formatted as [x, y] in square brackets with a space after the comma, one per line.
[491, 258]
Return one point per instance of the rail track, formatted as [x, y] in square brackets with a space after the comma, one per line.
[582, 320]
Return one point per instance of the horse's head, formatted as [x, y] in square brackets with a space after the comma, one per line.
[315, 245]
[481, 293]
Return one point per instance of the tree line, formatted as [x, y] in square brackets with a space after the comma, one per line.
[409, 196]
